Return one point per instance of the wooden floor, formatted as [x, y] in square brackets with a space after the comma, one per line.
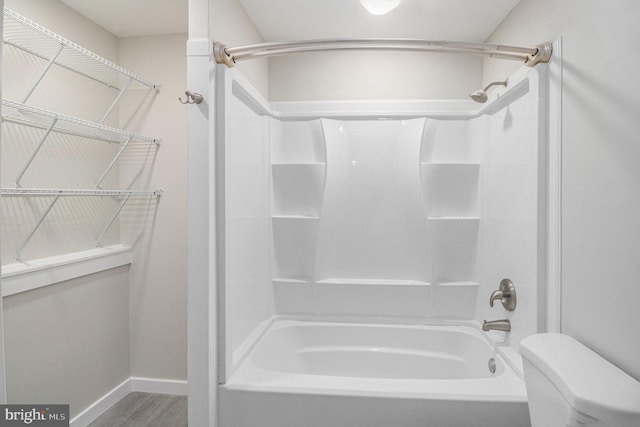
[145, 409]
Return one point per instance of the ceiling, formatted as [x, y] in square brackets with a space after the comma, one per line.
[464, 20]
[130, 18]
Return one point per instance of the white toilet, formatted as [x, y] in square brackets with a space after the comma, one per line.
[569, 385]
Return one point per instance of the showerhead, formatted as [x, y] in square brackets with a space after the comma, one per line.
[481, 95]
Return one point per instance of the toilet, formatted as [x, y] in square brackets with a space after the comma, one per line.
[570, 385]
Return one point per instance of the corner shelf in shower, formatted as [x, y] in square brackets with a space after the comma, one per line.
[298, 172]
[458, 284]
[453, 218]
[454, 246]
[450, 164]
[293, 295]
[294, 240]
[297, 189]
[454, 300]
[294, 218]
[289, 164]
[297, 196]
[452, 215]
[28, 36]
[292, 280]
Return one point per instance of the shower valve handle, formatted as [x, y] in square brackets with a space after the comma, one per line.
[506, 293]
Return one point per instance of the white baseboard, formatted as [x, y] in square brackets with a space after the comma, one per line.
[99, 407]
[132, 384]
[153, 385]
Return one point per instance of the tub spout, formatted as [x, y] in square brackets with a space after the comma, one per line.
[498, 325]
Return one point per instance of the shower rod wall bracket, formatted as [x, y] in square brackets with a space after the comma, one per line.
[221, 56]
[542, 55]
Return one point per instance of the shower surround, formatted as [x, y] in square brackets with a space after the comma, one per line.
[380, 222]
[376, 213]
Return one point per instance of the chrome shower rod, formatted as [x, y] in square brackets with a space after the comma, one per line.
[530, 56]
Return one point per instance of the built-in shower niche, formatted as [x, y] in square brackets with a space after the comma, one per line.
[450, 173]
[298, 173]
[297, 190]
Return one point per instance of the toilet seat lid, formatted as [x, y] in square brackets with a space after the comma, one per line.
[590, 384]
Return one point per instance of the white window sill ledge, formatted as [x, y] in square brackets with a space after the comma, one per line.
[37, 273]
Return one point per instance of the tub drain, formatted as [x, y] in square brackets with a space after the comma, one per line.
[492, 365]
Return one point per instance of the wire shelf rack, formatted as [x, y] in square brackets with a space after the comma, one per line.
[27, 35]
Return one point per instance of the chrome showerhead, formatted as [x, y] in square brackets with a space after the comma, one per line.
[481, 95]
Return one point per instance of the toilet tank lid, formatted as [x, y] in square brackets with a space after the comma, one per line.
[587, 381]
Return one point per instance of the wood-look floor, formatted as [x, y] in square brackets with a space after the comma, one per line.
[145, 409]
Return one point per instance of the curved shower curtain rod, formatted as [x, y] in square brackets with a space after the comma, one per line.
[530, 56]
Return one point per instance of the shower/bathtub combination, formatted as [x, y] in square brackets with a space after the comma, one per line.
[359, 245]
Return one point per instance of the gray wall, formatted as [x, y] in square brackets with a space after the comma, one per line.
[73, 342]
[600, 164]
[158, 300]
[68, 343]
[372, 75]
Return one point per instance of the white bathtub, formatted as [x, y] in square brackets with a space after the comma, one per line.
[325, 374]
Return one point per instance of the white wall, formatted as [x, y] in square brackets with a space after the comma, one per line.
[247, 294]
[600, 166]
[158, 303]
[372, 220]
[372, 75]
[511, 229]
[480, 180]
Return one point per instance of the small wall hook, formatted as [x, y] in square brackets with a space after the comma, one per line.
[192, 98]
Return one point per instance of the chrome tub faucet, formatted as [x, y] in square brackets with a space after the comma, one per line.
[497, 325]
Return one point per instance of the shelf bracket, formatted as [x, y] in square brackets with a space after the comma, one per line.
[42, 74]
[113, 218]
[18, 253]
[115, 101]
[113, 162]
[40, 144]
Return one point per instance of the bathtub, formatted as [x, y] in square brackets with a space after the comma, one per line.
[328, 374]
